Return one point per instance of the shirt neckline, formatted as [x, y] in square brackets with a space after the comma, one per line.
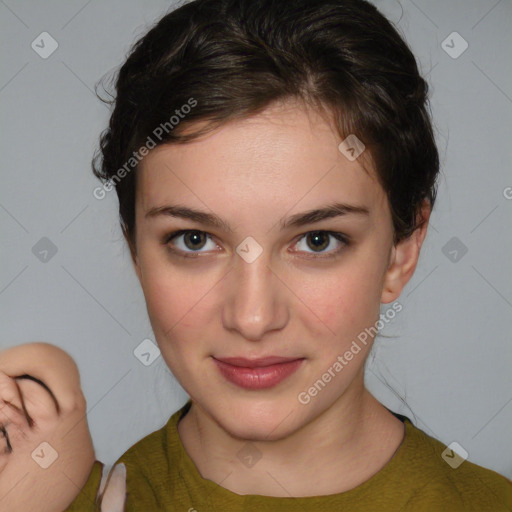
[193, 479]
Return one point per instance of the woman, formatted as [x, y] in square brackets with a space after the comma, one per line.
[276, 168]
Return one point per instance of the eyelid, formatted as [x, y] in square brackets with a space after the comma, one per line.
[192, 254]
[339, 236]
[344, 239]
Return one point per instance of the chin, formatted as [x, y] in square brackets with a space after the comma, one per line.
[257, 420]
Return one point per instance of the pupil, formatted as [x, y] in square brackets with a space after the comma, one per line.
[319, 239]
[196, 238]
[318, 235]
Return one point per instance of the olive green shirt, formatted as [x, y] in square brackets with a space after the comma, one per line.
[162, 477]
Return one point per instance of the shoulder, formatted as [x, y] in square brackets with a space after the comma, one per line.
[86, 498]
[148, 451]
[151, 449]
[148, 465]
[151, 467]
[151, 464]
[445, 479]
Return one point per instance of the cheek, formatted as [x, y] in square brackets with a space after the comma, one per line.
[167, 295]
[177, 301]
[344, 302]
[170, 304]
[173, 305]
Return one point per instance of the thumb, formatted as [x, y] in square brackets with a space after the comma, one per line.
[114, 496]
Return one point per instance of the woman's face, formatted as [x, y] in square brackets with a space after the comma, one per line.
[266, 286]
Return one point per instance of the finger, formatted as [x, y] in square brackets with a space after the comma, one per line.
[14, 423]
[48, 363]
[9, 391]
[114, 497]
[13, 431]
[39, 402]
[14, 420]
[24, 405]
[43, 385]
[5, 449]
[104, 477]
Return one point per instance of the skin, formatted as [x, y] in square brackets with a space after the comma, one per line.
[25, 485]
[33, 414]
[288, 302]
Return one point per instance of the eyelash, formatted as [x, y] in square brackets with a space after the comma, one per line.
[194, 254]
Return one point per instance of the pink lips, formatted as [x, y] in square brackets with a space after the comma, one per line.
[257, 373]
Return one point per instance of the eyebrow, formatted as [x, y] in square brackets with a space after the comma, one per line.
[294, 221]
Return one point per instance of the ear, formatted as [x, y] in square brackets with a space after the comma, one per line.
[404, 258]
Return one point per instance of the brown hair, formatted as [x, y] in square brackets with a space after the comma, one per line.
[231, 59]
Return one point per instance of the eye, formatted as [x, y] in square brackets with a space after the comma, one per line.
[189, 241]
[321, 240]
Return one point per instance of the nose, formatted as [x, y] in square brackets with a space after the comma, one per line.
[256, 301]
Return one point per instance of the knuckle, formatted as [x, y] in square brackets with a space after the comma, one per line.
[72, 402]
[77, 402]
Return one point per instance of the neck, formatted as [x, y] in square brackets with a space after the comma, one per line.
[341, 448]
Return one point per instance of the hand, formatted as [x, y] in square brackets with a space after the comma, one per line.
[41, 402]
[113, 497]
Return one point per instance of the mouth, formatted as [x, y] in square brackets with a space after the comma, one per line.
[261, 373]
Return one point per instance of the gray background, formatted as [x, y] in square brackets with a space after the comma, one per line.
[448, 365]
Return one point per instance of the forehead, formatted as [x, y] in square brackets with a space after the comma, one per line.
[285, 155]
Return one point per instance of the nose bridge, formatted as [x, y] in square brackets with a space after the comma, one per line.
[253, 305]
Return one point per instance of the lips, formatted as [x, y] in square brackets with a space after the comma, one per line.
[257, 374]
[256, 363]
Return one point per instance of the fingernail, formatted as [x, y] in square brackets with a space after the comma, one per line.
[121, 469]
